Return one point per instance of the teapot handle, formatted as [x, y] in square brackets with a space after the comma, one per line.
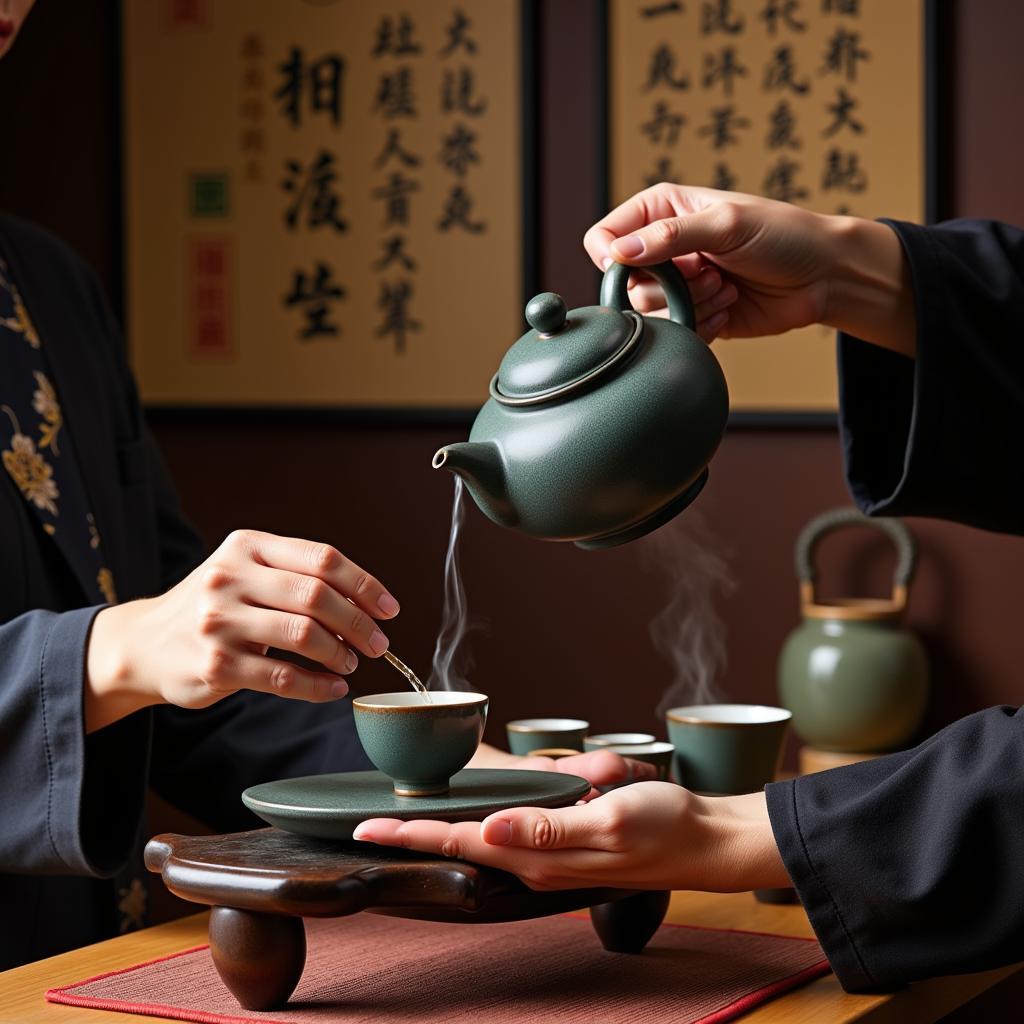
[680, 306]
[894, 529]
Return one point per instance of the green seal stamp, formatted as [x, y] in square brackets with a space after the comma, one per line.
[208, 194]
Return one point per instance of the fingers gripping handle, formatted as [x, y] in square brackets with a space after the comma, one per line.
[836, 519]
[614, 290]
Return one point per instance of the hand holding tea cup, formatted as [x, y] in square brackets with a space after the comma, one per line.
[653, 835]
[209, 636]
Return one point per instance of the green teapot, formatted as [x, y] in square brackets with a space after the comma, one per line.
[854, 678]
[601, 422]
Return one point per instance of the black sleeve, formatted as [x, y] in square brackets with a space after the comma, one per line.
[942, 435]
[69, 803]
[909, 866]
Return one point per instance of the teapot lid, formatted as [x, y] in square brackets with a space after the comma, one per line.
[563, 349]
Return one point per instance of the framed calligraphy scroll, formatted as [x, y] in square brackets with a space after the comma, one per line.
[824, 103]
[328, 201]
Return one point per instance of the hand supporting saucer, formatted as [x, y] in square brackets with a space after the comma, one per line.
[330, 806]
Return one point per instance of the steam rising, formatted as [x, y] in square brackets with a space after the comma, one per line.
[452, 659]
[688, 632]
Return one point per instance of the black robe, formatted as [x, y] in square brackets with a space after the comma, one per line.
[71, 805]
[912, 865]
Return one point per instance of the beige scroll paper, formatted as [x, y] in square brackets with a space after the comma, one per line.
[324, 200]
[820, 102]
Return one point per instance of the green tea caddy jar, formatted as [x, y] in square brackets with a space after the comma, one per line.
[854, 678]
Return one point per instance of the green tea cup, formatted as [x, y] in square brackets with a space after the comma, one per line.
[526, 735]
[616, 739]
[657, 753]
[727, 748]
[420, 743]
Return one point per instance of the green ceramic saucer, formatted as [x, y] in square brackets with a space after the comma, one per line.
[330, 806]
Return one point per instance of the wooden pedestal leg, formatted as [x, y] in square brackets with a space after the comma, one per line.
[627, 925]
[258, 956]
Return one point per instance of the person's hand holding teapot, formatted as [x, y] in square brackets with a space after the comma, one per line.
[759, 267]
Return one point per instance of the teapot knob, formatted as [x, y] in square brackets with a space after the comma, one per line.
[546, 313]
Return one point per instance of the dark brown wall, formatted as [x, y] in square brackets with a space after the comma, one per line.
[986, 108]
[568, 629]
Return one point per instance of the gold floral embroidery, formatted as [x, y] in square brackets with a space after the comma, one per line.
[44, 401]
[40, 480]
[29, 470]
[20, 323]
[105, 581]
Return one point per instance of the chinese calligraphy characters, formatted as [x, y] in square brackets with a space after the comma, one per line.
[311, 86]
[728, 92]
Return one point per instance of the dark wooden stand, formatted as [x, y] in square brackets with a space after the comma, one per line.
[262, 883]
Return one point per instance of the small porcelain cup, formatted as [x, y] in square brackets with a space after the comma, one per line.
[616, 739]
[727, 748]
[657, 753]
[529, 734]
[420, 744]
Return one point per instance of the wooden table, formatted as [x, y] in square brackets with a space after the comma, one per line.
[821, 1002]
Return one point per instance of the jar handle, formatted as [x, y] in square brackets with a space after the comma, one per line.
[837, 518]
[614, 290]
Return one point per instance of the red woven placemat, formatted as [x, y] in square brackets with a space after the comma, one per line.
[552, 971]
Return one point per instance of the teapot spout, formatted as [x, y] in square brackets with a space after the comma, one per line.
[479, 463]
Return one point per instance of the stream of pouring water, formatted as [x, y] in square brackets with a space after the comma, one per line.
[414, 680]
[444, 674]
[450, 659]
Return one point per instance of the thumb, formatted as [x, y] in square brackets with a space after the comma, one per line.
[711, 230]
[535, 829]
